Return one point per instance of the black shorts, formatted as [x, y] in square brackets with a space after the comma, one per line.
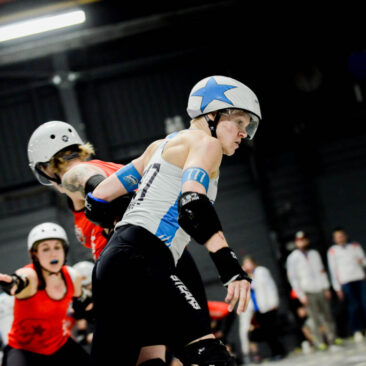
[70, 354]
[140, 300]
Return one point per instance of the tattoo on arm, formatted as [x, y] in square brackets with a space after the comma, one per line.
[73, 185]
[75, 180]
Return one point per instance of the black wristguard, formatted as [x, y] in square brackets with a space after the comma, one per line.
[20, 282]
[105, 213]
[197, 216]
[79, 304]
[228, 266]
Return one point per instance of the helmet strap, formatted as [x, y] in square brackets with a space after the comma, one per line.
[55, 179]
[212, 124]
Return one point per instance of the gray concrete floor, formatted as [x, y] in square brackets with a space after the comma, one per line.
[349, 354]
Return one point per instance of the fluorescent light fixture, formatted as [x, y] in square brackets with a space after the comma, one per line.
[40, 25]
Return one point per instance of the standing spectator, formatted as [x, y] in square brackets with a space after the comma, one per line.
[309, 280]
[264, 295]
[245, 320]
[346, 260]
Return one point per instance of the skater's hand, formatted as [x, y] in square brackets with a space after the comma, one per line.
[238, 292]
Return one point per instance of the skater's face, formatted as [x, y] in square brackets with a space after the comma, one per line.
[50, 254]
[231, 130]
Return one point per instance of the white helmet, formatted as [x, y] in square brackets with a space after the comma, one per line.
[47, 230]
[216, 92]
[85, 268]
[47, 140]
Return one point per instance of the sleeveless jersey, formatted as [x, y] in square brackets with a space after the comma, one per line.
[89, 234]
[39, 323]
[155, 205]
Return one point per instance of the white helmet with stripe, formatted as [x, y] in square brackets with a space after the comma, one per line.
[215, 93]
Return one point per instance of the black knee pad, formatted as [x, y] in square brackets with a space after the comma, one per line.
[153, 362]
[208, 352]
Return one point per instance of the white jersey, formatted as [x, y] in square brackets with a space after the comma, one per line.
[306, 273]
[346, 264]
[155, 205]
[265, 290]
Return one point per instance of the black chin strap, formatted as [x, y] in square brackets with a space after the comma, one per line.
[57, 178]
[212, 124]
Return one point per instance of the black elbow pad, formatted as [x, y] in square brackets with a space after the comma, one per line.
[93, 182]
[105, 213]
[197, 216]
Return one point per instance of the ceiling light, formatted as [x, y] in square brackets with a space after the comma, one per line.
[40, 25]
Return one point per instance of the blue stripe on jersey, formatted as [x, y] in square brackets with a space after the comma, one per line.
[168, 225]
[197, 174]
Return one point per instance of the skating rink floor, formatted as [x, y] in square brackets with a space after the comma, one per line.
[349, 354]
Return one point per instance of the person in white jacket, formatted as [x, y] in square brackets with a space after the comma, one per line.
[346, 262]
[265, 299]
[309, 280]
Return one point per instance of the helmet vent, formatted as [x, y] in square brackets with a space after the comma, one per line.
[52, 136]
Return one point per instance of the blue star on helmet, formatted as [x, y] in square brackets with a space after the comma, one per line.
[213, 91]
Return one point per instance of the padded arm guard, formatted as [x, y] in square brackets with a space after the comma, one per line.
[197, 216]
[20, 282]
[104, 213]
[228, 266]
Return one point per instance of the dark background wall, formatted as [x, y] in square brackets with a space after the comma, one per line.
[119, 77]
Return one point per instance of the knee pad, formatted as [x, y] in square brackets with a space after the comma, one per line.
[153, 362]
[208, 352]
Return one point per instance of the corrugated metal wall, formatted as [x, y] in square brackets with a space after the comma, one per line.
[19, 116]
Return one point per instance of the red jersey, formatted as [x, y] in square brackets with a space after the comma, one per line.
[40, 322]
[89, 234]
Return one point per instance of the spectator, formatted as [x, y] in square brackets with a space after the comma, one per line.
[309, 280]
[264, 295]
[244, 328]
[346, 261]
